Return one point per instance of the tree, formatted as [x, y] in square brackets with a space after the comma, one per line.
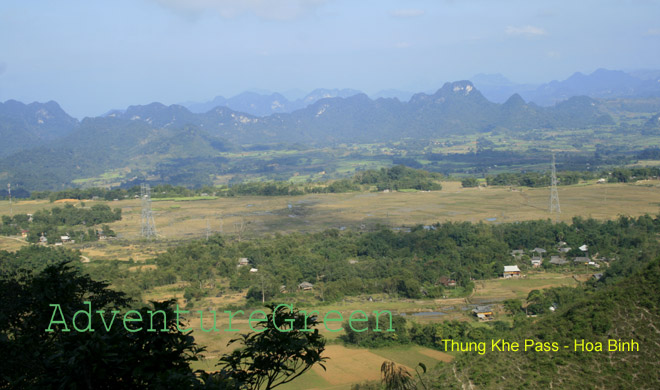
[118, 358]
[283, 348]
[469, 182]
[512, 306]
[396, 377]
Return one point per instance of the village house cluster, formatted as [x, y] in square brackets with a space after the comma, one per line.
[538, 256]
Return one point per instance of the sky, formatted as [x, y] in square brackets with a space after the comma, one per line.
[95, 55]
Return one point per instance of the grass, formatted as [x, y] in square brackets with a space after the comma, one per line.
[501, 289]
[184, 198]
[178, 220]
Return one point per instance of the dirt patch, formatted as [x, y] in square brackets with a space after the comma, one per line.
[67, 201]
[347, 366]
[143, 267]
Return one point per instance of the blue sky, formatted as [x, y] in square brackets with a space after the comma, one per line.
[95, 55]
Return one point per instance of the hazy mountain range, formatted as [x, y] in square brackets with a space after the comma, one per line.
[43, 147]
[263, 105]
[603, 83]
[23, 126]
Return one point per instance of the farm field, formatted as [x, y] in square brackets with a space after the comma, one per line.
[355, 364]
[494, 290]
[179, 220]
[249, 216]
[347, 366]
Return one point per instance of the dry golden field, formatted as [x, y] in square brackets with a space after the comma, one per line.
[250, 216]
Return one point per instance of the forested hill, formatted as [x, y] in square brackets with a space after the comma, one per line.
[629, 309]
[102, 144]
[23, 126]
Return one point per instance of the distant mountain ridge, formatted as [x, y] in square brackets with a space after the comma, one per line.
[31, 124]
[263, 105]
[602, 84]
[457, 107]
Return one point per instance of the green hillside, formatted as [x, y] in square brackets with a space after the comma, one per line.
[627, 310]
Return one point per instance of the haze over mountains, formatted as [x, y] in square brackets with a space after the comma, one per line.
[42, 144]
[263, 105]
[602, 83]
[455, 108]
[27, 125]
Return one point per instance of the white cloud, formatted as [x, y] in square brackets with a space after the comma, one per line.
[652, 31]
[263, 9]
[525, 30]
[407, 13]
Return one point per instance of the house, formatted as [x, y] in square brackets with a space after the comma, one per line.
[601, 181]
[24, 233]
[561, 244]
[511, 271]
[483, 313]
[517, 253]
[65, 239]
[581, 260]
[565, 249]
[556, 260]
[253, 270]
[243, 261]
[536, 261]
[43, 240]
[540, 251]
[352, 261]
[445, 281]
[305, 286]
[597, 276]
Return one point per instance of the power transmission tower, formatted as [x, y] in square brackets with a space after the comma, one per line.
[208, 229]
[11, 209]
[554, 195]
[148, 224]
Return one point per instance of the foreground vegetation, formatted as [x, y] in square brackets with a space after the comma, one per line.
[623, 311]
[400, 269]
[591, 311]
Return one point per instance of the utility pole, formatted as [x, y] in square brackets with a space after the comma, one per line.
[148, 224]
[263, 292]
[554, 195]
[208, 230]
